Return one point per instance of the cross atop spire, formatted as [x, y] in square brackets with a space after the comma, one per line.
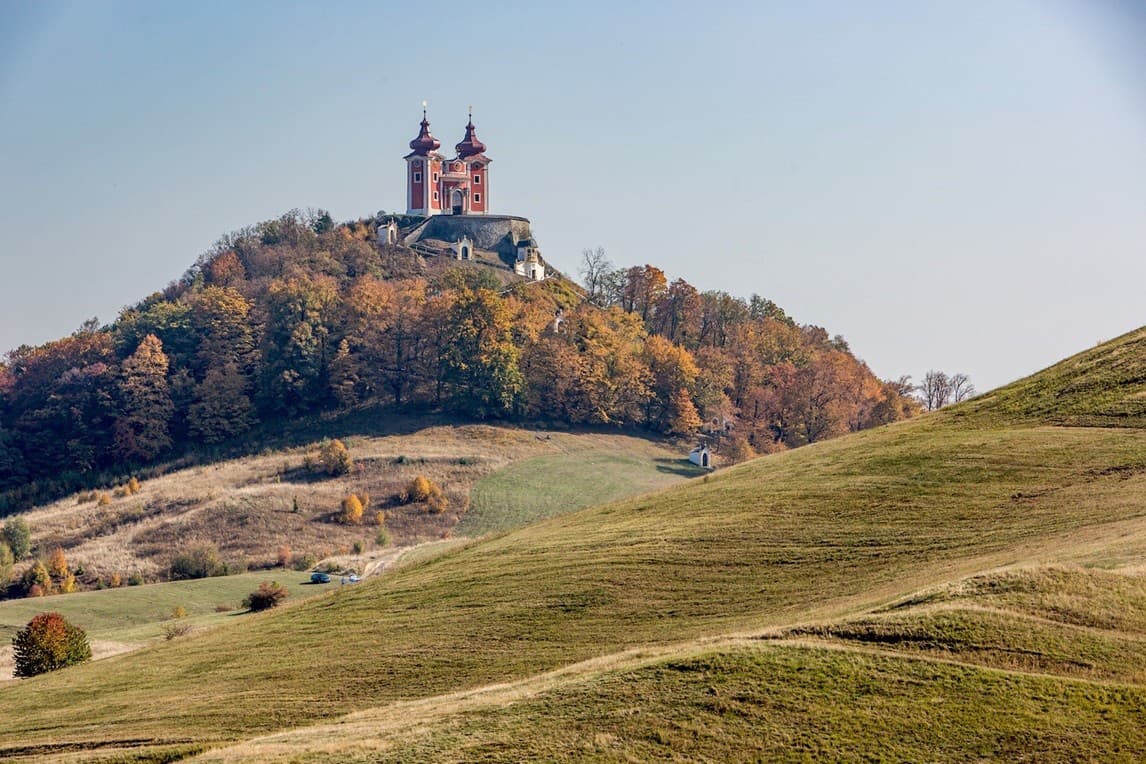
[425, 142]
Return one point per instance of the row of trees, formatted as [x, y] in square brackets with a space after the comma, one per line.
[294, 316]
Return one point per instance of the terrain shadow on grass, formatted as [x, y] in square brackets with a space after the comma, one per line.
[681, 467]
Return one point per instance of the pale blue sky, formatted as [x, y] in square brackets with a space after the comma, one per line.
[953, 185]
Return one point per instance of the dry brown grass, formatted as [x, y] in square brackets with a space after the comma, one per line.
[247, 507]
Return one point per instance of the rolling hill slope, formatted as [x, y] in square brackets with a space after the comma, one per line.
[658, 597]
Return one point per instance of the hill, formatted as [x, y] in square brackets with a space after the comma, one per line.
[926, 590]
[298, 319]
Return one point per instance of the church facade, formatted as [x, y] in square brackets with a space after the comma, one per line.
[436, 185]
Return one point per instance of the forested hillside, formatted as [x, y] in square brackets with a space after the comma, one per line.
[298, 315]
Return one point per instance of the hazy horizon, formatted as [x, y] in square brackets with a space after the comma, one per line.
[952, 186]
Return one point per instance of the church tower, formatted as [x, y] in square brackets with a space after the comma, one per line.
[423, 173]
[437, 186]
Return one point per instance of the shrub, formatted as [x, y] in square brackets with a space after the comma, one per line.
[48, 643]
[133, 487]
[57, 564]
[737, 449]
[178, 612]
[18, 536]
[176, 629]
[115, 581]
[382, 538]
[104, 500]
[379, 518]
[335, 457]
[420, 489]
[438, 502]
[37, 581]
[199, 562]
[304, 561]
[283, 558]
[267, 596]
[135, 579]
[352, 510]
[359, 546]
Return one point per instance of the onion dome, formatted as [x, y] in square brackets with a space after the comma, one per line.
[425, 143]
[470, 145]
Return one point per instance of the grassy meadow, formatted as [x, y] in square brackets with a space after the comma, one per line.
[138, 613]
[589, 471]
[961, 586]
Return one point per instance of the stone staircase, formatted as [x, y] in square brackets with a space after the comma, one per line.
[425, 249]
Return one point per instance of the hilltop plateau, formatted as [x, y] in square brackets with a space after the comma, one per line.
[962, 585]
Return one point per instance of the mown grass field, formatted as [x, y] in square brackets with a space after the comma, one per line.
[783, 608]
[589, 471]
[138, 613]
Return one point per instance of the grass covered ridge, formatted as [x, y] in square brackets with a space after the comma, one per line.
[752, 703]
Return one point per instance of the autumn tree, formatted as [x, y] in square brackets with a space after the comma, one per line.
[6, 562]
[37, 582]
[13, 470]
[642, 289]
[552, 373]
[267, 596]
[677, 314]
[222, 408]
[300, 316]
[897, 402]
[221, 320]
[142, 430]
[18, 536]
[225, 269]
[352, 510]
[481, 362]
[60, 403]
[403, 342]
[673, 374]
[49, 643]
[62, 578]
[335, 457]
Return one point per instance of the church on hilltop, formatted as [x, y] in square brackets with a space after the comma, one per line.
[447, 210]
[439, 186]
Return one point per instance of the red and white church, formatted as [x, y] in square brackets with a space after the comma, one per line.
[439, 186]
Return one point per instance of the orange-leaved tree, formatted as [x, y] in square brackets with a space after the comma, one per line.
[48, 643]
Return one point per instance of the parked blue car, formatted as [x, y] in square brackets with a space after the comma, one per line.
[320, 578]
